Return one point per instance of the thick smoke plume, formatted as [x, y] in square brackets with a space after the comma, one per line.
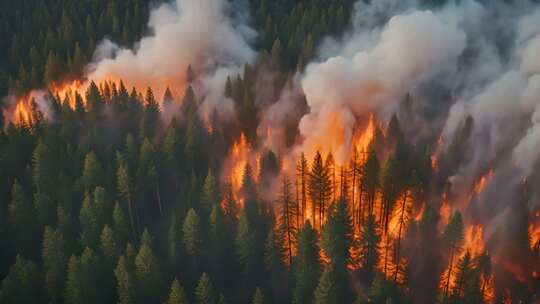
[199, 33]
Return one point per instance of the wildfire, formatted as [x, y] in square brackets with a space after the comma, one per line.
[445, 210]
[67, 90]
[240, 155]
[434, 156]
[474, 240]
[22, 112]
[362, 140]
[481, 184]
[534, 233]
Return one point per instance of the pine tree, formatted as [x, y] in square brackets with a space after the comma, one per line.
[120, 226]
[258, 297]
[204, 292]
[125, 282]
[177, 294]
[192, 234]
[287, 220]
[53, 68]
[94, 103]
[452, 237]
[273, 255]
[22, 222]
[369, 247]
[54, 256]
[42, 173]
[319, 188]
[246, 245]
[147, 271]
[125, 190]
[210, 195]
[302, 174]
[174, 239]
[147, 175]
[92, 173]
[336, 240]
[23, 283]
[249, 188]
[326, 292]
[306, 265]
[370, 179]
[108, 244]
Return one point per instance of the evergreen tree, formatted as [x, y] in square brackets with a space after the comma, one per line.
[108, 245]
[177, 294]
[125, 282]
[192, 232]
[306, 265]
[287, 219]
[23, 283]
[326, 292]
[210, 194]
[369, 247]
[22, 222]
[258, 297]
[147, 272]
[319, 188]
[125, 190]
[54, 256]
[452, 237]
[92, 173]
[204, 292]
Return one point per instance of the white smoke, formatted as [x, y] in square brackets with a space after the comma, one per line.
[412, 48]
[199, 33]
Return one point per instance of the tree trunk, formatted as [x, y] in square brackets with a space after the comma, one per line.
[398, 245]
[158, 196]
[131, 217]
[449, 274]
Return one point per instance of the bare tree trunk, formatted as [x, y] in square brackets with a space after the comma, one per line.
[131, 217]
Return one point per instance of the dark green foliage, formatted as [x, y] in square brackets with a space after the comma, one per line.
[306, 265]
[177, 294]
[205, 292]
[23, 284]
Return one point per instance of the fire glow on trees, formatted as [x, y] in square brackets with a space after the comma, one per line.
[346, 123]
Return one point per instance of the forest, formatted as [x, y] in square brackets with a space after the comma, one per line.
[287, 151]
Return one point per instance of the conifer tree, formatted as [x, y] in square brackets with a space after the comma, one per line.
[326, 292]
[108, 245]
[452, 237]
[23, 283]
[125, 282]
[22, 222]
[148, 274]
[258, 297]
[54, 254]
[204, 292]
[306, 265]
[177, 294]
[210, 194]
[92, 173]
[125, 190]
[319, 188]
[302, 172]
[369, 247]
[287, 220]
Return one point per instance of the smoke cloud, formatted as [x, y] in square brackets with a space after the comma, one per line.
[200, 33]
